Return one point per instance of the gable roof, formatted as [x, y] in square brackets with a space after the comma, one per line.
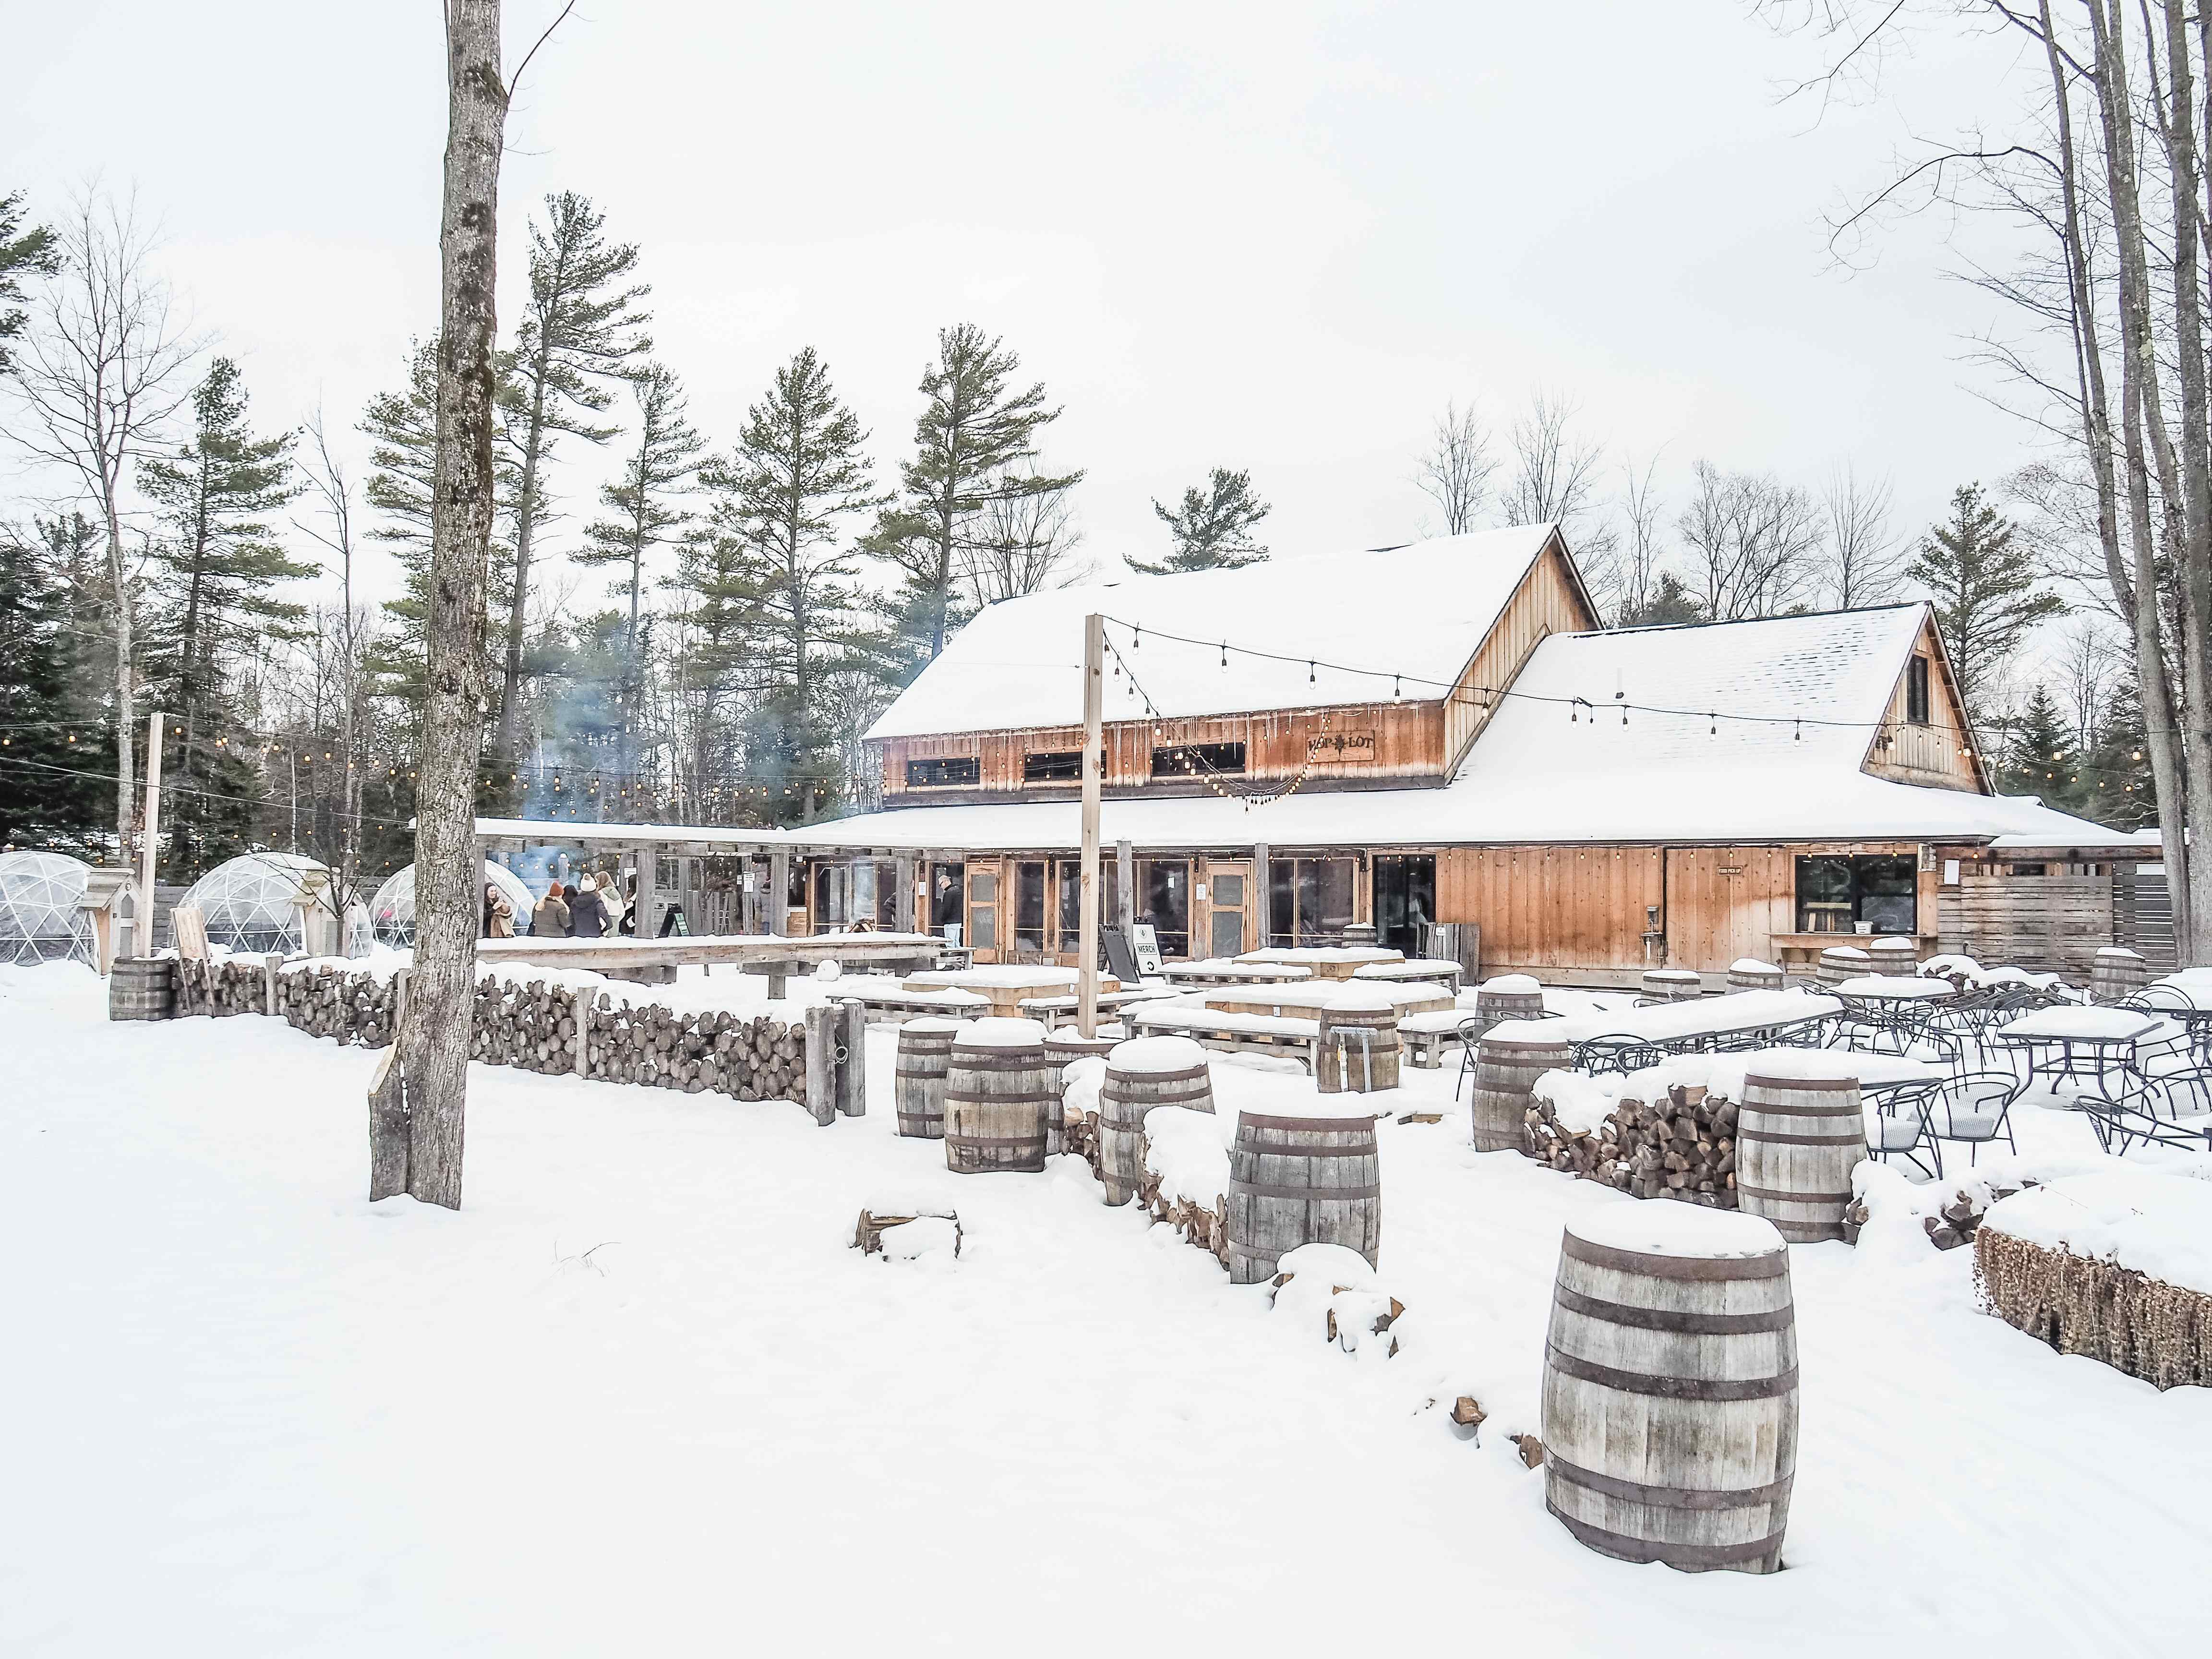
[1423, 610]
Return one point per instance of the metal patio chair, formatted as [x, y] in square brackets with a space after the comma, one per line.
[1974, 1109]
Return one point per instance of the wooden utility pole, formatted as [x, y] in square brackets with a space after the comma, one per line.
[1094, 768]
[143, 945]
[433, 1039]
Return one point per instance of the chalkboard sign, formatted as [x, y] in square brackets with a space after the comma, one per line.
[1118, 959]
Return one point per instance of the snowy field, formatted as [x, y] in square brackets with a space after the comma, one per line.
[640, 1396]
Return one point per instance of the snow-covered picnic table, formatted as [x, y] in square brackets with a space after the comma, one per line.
[1302, 1001]
[1666, 1025]
[1225, 970]
[1413, 970]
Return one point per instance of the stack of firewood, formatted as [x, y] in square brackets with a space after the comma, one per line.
[1680, 1146]
[221, 987]
[757, 1058]
[353, 1007]
[1955, 1222]
[1208, 1229]
[532, 1026]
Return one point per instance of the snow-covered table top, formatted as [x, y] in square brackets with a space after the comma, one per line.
[1003, 978]
[1323, 954]
[2157, 1224]
[1740, 1011]
[1325, 993]
[1892, 987]
[1222, 970]
[2085, 1025]
[1412, 967]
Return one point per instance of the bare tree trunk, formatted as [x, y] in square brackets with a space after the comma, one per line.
[435, 1044]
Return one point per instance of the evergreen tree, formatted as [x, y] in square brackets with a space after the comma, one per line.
[1212, 528]
[22, 253]
[581, 330]
[2041, 759]
[797, 472]
[221, 566]
[51, 741]
[1669, 603]
[662, 467]
[2116, 771]
[975, 430]
[1985, 588]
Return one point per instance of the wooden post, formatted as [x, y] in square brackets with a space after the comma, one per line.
[903, 915]
[1125, 871]
[851, 1033]
[821, 1044]
[142, 943]
[648, 902]
[583, 1033]
[271, 963]
[1094, 757]
[779, 890]
[1262, 902]
[388, 1127]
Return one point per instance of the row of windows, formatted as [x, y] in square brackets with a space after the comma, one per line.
[1065, 765]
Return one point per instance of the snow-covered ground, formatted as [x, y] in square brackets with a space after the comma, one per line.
[641, 1397]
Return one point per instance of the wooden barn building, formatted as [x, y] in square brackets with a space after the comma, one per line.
[1444, 733]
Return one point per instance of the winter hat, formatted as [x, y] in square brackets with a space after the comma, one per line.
[588, 886]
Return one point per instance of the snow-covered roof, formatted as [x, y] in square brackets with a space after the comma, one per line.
[1422, 610]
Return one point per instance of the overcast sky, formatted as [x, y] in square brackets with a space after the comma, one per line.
[1274, 236]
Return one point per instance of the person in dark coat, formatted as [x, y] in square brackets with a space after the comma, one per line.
[551, 919]
[588, 917]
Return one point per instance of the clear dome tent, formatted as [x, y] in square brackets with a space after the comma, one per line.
[251, 903]
[392, 909]
[41, 920]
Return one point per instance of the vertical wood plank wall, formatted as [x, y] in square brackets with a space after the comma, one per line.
[1724, 903]
[1932, 754]
[1544, 604]
[1545, 908]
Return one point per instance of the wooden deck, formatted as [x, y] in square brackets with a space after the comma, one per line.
[624, 955]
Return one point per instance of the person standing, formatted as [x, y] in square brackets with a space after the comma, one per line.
[551, 919]
[587, 917]
[498, 913]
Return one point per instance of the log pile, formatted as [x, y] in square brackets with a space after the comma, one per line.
[1206, 1229]
[718, 1051]
[2145, 1326]
[1682, 1146]
[1957, 1221]
[353, 1007]
[533, 1025]
[222, 987]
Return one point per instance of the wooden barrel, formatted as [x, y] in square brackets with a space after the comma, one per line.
[1140, 1074]
[1001, 1097]
[1505, 1070]
[1296, 1180]
[1064, 1045]
[1750, 975]
[1797, 1140]
[1900, 958]
[1670, 1390]
[142, 987]
[2117, 973]
[925, 1053]
[1358, 1050]
[1509, 996]
[1672, 985]
[1841, 962]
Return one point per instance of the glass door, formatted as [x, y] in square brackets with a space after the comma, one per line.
[983, 908]
[1405, 899]
[1029, 908]
[1227, 895]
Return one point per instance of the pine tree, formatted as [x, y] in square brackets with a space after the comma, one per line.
[51, 739]
[1985, 588]
[1212, 528]
[2041, 759]
[22, 253]
[1670, 603]
[661, 468]
[2116, 771]
[221, 566]
[581, 330]
[975, 430]
[797, 472]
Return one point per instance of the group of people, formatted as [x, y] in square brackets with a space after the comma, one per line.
[588, 908]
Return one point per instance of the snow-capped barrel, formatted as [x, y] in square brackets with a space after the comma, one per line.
[1508, 996]
[1359, 1047]
[1897, 957]
[1670, 1386]
[1672, 985]
[142, 987]
[1140, 1074]
[1801, 1130]
[925, 1053]
[1749, 974]
[1841, 962]
[1508, 1060]
[1298, 1180]
[2117, 973]
[1001, 1096]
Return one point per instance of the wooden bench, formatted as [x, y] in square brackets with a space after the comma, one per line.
[1055, 1011]
[1236, 1035]
[775, 970]
[896, 1006]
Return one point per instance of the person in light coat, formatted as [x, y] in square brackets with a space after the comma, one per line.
[587, 917]
[498, 913]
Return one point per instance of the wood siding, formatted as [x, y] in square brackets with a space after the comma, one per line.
[1546, 909]
[2050, 924]
[1548, 601]
[1724, 903]
[1401, 741]
[1935, 754]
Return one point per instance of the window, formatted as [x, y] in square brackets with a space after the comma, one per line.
[1309, 900]
[1164, 899]
[1878, 894]
[1198, 758]
[1065, 766]
[945, 881]
[1915, 690]
[936, 773]
[983, 909]
[1029, 905]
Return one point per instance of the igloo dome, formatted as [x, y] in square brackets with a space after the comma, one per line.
[250, 903]
[39, 920]
[392, 909]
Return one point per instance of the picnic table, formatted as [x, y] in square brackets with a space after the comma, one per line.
[2079, 1044]
[1413, 970]
[1327, 961]
[1306, 1001]
[1678, 1027]
[1226, 971]
[1053, 1009]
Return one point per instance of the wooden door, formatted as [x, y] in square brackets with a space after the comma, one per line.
[1725, 903]
[1229, 906]
[983, 908]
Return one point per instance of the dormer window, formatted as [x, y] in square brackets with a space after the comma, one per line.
[1915, 690]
